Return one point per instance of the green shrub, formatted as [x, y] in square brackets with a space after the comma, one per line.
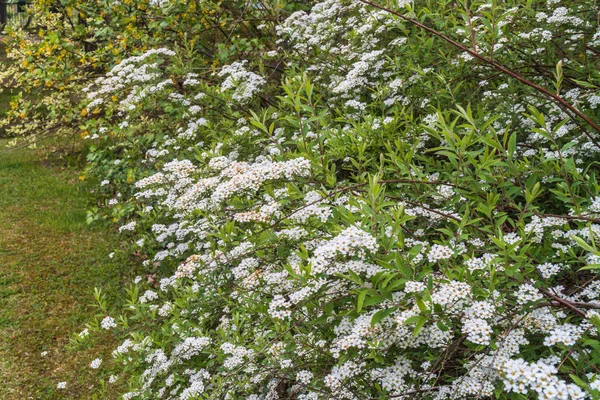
[358, 207]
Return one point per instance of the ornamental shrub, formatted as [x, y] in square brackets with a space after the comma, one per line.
[370, 201]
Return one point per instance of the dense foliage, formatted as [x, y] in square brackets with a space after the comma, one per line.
[338, 199]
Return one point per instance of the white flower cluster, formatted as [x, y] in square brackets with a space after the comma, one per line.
[527, 294]
[350, 242]
[477, 330]
[540, 377]
[414, 287]
[190, 347]
[280, 307]
[108, 323]
[129, 73]
[548, 270]
[439, 252]
[96, 363]
[245, 83]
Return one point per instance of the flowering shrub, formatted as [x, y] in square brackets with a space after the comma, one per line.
[406, 206]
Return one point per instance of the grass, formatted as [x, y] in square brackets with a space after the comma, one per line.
[50, 262]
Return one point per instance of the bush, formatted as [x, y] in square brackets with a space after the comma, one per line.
[374, 203]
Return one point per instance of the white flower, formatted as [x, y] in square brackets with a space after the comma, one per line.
[528, 293]
[304, 377]
[548, 270]
[61, 385]
[413, 287]
[477, 330]
[245, 84]
[108, 323]
[438, 252]
[128, 227]
[96, 363]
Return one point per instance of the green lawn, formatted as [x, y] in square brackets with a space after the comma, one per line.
[50, 262]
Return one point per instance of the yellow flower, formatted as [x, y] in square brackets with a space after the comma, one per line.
[83, 112]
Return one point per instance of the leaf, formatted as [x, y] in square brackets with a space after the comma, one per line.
[371, 301]
[590, 267]
[360, 300]
[585, 84]
[579, 382]
[583, 244]
[419, 326]
[421, 306]
[412, 320]
[512, 145]
[381, 314]
[568, 146]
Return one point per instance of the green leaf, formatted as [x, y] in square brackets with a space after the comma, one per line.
[579, 382]
[419, 326]
[381, 314]
[360, 300]
[584, 245]
[412, 320]
[590, 267]
[512, 145]
[422, 306]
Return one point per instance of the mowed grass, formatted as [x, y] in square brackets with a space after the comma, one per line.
[50, 262]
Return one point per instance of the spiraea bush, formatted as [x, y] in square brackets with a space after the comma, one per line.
[343, 199]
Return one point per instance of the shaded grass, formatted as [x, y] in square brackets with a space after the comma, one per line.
[50, 262]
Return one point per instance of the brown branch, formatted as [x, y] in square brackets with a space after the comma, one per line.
[563, 302]
[413, 392]
[589, 306]
[569, 217]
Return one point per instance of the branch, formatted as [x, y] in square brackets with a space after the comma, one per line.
[568, 304]
[569, 217]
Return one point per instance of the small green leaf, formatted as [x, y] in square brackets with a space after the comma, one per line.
[590, 267]
[584, 245]
[419, 326]
[512, 145]
[381, 314]
[360, 300]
